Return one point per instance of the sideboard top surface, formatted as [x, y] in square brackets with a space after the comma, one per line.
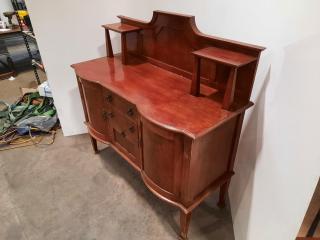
[160, 95]
[178, 77]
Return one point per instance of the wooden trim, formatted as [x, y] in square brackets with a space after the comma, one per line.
[307, 238]
[124, 48]
[186, 209]
[195, 85]
[229, 44]
[95, 134]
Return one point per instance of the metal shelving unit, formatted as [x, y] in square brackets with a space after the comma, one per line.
[28, 36]
[19, 5]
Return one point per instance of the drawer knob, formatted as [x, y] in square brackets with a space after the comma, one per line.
[107, 115]
[123, 134]
[109, 98]
[131, 129]
[130, 112]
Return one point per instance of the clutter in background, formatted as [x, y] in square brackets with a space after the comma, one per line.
[19, 46]
[29, 121]
[2, 24]
[44, 89]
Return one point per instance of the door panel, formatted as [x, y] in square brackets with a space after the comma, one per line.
[162, 157]
[95, 107]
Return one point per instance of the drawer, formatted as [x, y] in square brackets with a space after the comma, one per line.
[127, 128]
[128, 109]
[131, 149]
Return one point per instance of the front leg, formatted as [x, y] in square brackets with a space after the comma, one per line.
[94, 144]
[184, 224]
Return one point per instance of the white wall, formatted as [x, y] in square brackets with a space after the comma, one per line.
[278, 160]
[69, 32]
[5, 6]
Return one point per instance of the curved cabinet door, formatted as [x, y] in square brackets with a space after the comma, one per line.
[96, 109]
[162, 160]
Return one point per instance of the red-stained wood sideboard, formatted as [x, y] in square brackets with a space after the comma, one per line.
[171, 104]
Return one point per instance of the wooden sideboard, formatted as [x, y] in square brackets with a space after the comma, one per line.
[171, 104]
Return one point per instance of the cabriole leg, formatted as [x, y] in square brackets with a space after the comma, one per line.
[184, 225]
[94, 144]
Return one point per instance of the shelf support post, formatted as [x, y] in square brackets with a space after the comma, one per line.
[108, 44]
[230, 90]
[124, 48]
[195, 87]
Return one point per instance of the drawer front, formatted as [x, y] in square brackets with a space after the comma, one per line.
[128, 109]
[122, 117]
[126, 128]
[130, 149]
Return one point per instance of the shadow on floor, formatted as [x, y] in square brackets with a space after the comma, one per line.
[206, 219]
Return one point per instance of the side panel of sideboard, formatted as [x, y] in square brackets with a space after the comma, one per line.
[210, 157]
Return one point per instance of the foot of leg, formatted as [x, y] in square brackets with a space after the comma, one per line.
[94, 144]
[184, 225]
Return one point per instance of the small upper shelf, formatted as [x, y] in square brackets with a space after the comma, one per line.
[121, 27]
[224, 56]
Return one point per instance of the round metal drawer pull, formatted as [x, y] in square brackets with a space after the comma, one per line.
[131, 129]
[110, 115]
[107, 115]
[109, 98]
[130, 112]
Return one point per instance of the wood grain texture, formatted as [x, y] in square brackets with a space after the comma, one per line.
[184, 145]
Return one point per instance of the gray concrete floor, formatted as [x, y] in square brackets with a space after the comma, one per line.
[10, 90]
[65, 192]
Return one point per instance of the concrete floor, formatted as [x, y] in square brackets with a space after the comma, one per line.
[65, 192]
[10, 90]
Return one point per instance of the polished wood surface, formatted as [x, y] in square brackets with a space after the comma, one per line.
[223, 56]
[158, 93]
[184, 145]
[121, 27]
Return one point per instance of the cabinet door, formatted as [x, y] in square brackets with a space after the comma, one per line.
[96, 109]
[162, 159]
